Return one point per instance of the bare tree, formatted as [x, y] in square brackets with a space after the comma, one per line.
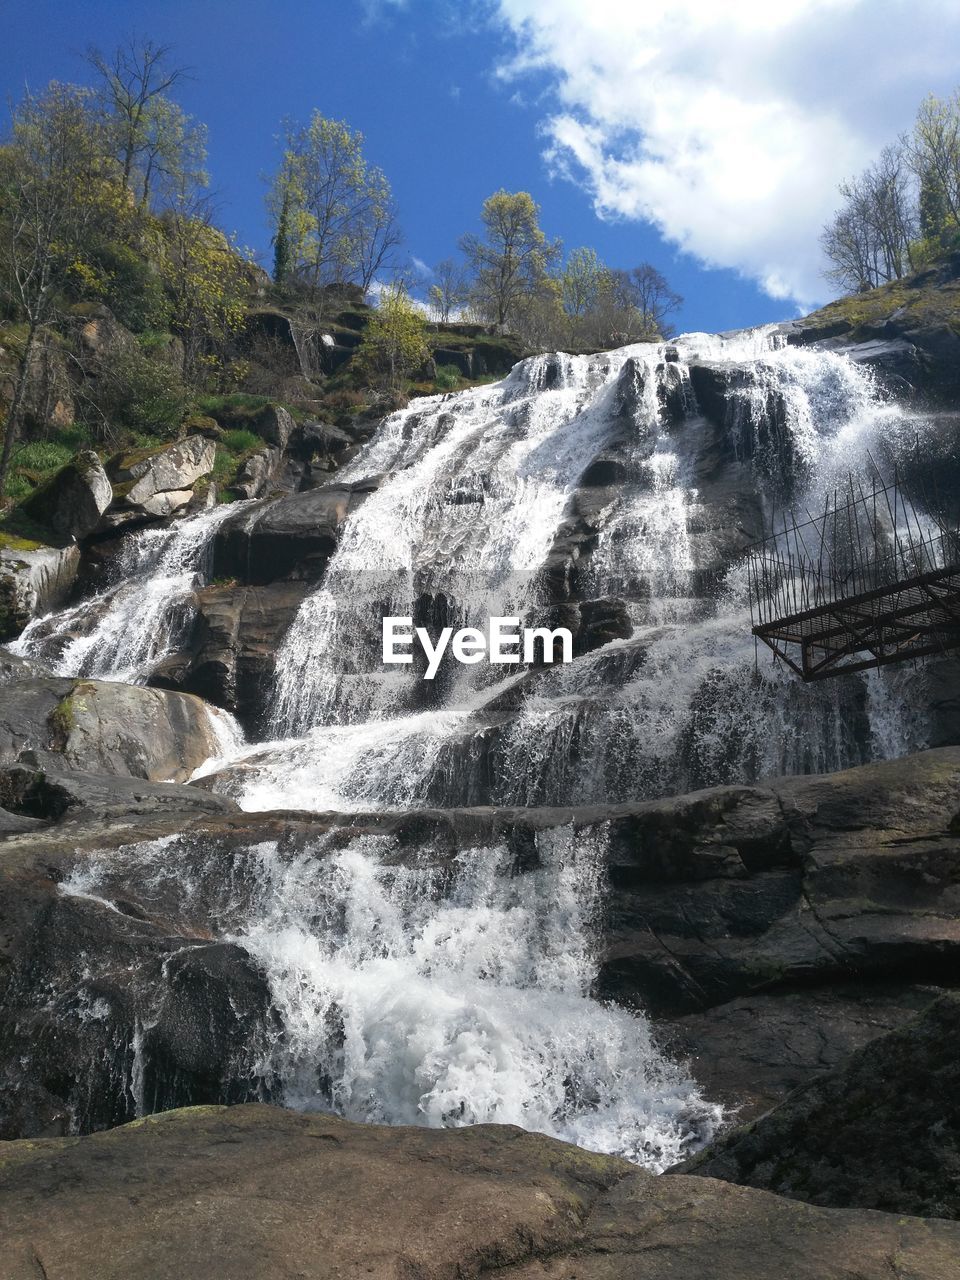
[133, 80]
[654, 299]
[868, 241]
[450, 289]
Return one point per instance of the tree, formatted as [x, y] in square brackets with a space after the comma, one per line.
[449, 290]
[394, 342]
[58, 186]
[133, 82]
[206, 281]
[341, 223]
[647, 290]
[933, 149]
[868, 241]
[510, 263]
[582, 282]
[281, 243]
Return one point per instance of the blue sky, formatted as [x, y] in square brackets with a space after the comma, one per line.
[637, 131]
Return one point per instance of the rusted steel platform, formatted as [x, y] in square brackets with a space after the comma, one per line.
[867, 582]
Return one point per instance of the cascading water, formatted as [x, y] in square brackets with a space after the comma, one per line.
[412, 985]
[475, 490]
[122, 633]
[427, 991]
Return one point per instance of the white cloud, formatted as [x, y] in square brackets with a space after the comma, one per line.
[729, 125]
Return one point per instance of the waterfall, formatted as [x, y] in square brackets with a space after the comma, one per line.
[126, 630]
[430, 991]
[478, 497]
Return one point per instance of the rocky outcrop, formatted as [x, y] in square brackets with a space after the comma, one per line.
[73, 500]
[33, 580]
[155, 483]
[257, 474]
[230, 658]
[103, 727]
[799, 881]
[289, 538]
[259, 1193]
[881, 1131]
[907, 330]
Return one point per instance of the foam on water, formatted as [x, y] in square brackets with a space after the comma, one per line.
[442, 993]
[126, 630]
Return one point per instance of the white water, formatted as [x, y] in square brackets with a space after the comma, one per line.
[126, 630]
[432, 995]
[476, 486]
[414, 986]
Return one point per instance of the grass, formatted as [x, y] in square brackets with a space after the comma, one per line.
[240, 440]
[921, 299]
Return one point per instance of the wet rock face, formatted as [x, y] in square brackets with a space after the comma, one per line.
[157, 1017]
[799, 881]
[104, 727]
[32, 582]
[291, 538]
[232, 651]
[880, 1131]
[258, 1193]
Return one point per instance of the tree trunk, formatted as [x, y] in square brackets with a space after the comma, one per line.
[16, 406]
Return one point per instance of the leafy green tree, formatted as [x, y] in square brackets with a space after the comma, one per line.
[281, 243]
[341, 224]
[583, 280]
[58, 189]
[207, 282]
[394, 342]
[510, 261]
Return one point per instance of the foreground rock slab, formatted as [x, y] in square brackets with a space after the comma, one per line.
[258, 1193]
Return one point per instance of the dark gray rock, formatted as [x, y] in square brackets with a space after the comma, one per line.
[230, 658]
[104, 727]
[290, 538]
[881, 1131]
[32, 582]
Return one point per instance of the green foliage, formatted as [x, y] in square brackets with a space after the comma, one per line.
[235, 410]
[282, 258]
[142, 394]
[394, 342]
[238, 440]
[448, 377]
[42, 455]
[115, 273]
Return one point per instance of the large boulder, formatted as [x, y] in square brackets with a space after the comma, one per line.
[34, 579]
[259, 1193]
[154, 483]
[290, 538]
[797, 881]
[231, 656]
[881, 1131]
[105, 727]
[72, 501]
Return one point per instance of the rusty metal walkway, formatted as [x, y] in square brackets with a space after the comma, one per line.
[871, 580]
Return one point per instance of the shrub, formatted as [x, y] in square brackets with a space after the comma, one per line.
[142, 394]
[448, 377]
[236, 410]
